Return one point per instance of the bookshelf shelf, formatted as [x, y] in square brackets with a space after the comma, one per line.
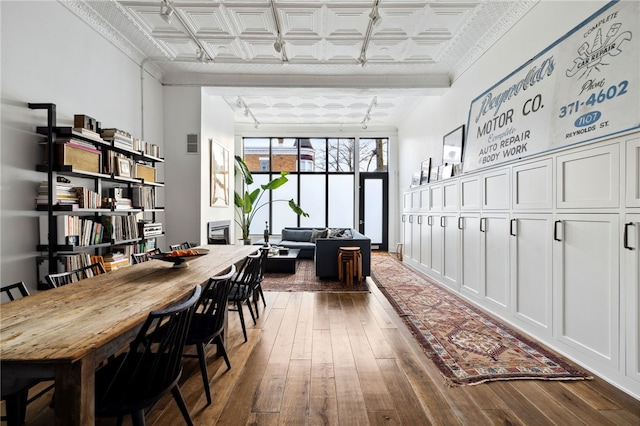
[113, 229]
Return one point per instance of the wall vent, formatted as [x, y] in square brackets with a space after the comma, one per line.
[192, 143]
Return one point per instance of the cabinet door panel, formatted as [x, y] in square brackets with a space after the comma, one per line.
[470, 281]
[633, 173]
[450, 237]
[425, 242]
[470, 195]
[495, 188]
[437, 234]
[586, 278]
[532, 188]
[436, 197]
[496, 258]
[631, 261]
[531, 268]
[589, 178]
[450, 195]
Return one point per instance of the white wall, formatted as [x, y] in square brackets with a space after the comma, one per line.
[182, 115]
[49, 55]
[218, 125]
[420, 134]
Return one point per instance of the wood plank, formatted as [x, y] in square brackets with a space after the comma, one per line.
[303, 341]
[554, 411]
[406, 404]
[374, 388]
[270, 392]
[527, 412]
[428, 389]
[321, 311]
[351, 405]
[239, 407]
[580, 409]
[295, 400]
[323, 399]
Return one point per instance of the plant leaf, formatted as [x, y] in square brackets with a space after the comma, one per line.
[297, 209]
[241, 166]
[277, 182]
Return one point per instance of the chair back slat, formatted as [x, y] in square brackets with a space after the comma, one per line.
[143, 257]
[10, 290]
[182, 246]
[64, 278]
[210, 310]
[247, 276]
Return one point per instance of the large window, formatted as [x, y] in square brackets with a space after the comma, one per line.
[322, 173]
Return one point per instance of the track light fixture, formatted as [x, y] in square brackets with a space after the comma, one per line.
[166, 11]
[278, 45]
[374, 19]
[240, 103]
[367, 115]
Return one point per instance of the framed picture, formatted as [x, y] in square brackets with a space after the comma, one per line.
[425, 169]
[415, 179]
[124, 167]
[452, 146]
[219, 171]
[447, 171]
[441, 171]
[433, 174]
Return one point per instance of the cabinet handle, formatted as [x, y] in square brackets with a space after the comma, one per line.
[419, 220]
[460, 222]
[626, 235]
[442, 220]
[429, 220]
[403, 218]
[482, 224]
[555, 230]
[410, 219]
[511, 231]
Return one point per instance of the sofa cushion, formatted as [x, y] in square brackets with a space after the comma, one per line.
[296, 234]
[339, 233]
[318, 233]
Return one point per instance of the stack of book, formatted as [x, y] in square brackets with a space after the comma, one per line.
[120, 228]
[118, 138]
[89, 134]
[143, 197]
[65, 194]
[146, 148]
[116, 260]
[88, 199]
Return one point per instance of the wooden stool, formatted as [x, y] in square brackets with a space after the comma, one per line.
[349, 265]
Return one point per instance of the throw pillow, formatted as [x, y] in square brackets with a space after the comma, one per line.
[334, 232]
[318, 233]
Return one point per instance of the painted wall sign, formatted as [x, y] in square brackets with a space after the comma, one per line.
[583, 87]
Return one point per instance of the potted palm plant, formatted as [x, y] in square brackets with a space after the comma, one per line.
[248, 203]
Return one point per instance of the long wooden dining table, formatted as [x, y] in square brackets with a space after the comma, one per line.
[70, 330]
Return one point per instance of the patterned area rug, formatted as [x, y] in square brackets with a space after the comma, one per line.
[305, 280]
[468, 346]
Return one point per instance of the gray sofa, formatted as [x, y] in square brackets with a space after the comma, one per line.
[322, 246]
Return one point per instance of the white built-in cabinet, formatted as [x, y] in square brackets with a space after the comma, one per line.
[550, 244]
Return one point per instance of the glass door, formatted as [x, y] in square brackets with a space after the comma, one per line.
[374, 209]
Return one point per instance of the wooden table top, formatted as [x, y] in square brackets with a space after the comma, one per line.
[67, 323]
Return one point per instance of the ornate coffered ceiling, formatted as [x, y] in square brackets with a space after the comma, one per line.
[316, 75]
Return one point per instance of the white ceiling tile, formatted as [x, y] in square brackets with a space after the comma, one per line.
[417, 48]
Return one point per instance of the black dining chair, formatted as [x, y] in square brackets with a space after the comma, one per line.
[144, 256]
[136, 380]
[257, 291]
[64, 278]
[11, 290]
[182, 246]
[243, 285]
[207, 325]
[15, 387]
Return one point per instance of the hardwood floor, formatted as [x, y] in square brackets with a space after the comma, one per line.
[346, 359]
